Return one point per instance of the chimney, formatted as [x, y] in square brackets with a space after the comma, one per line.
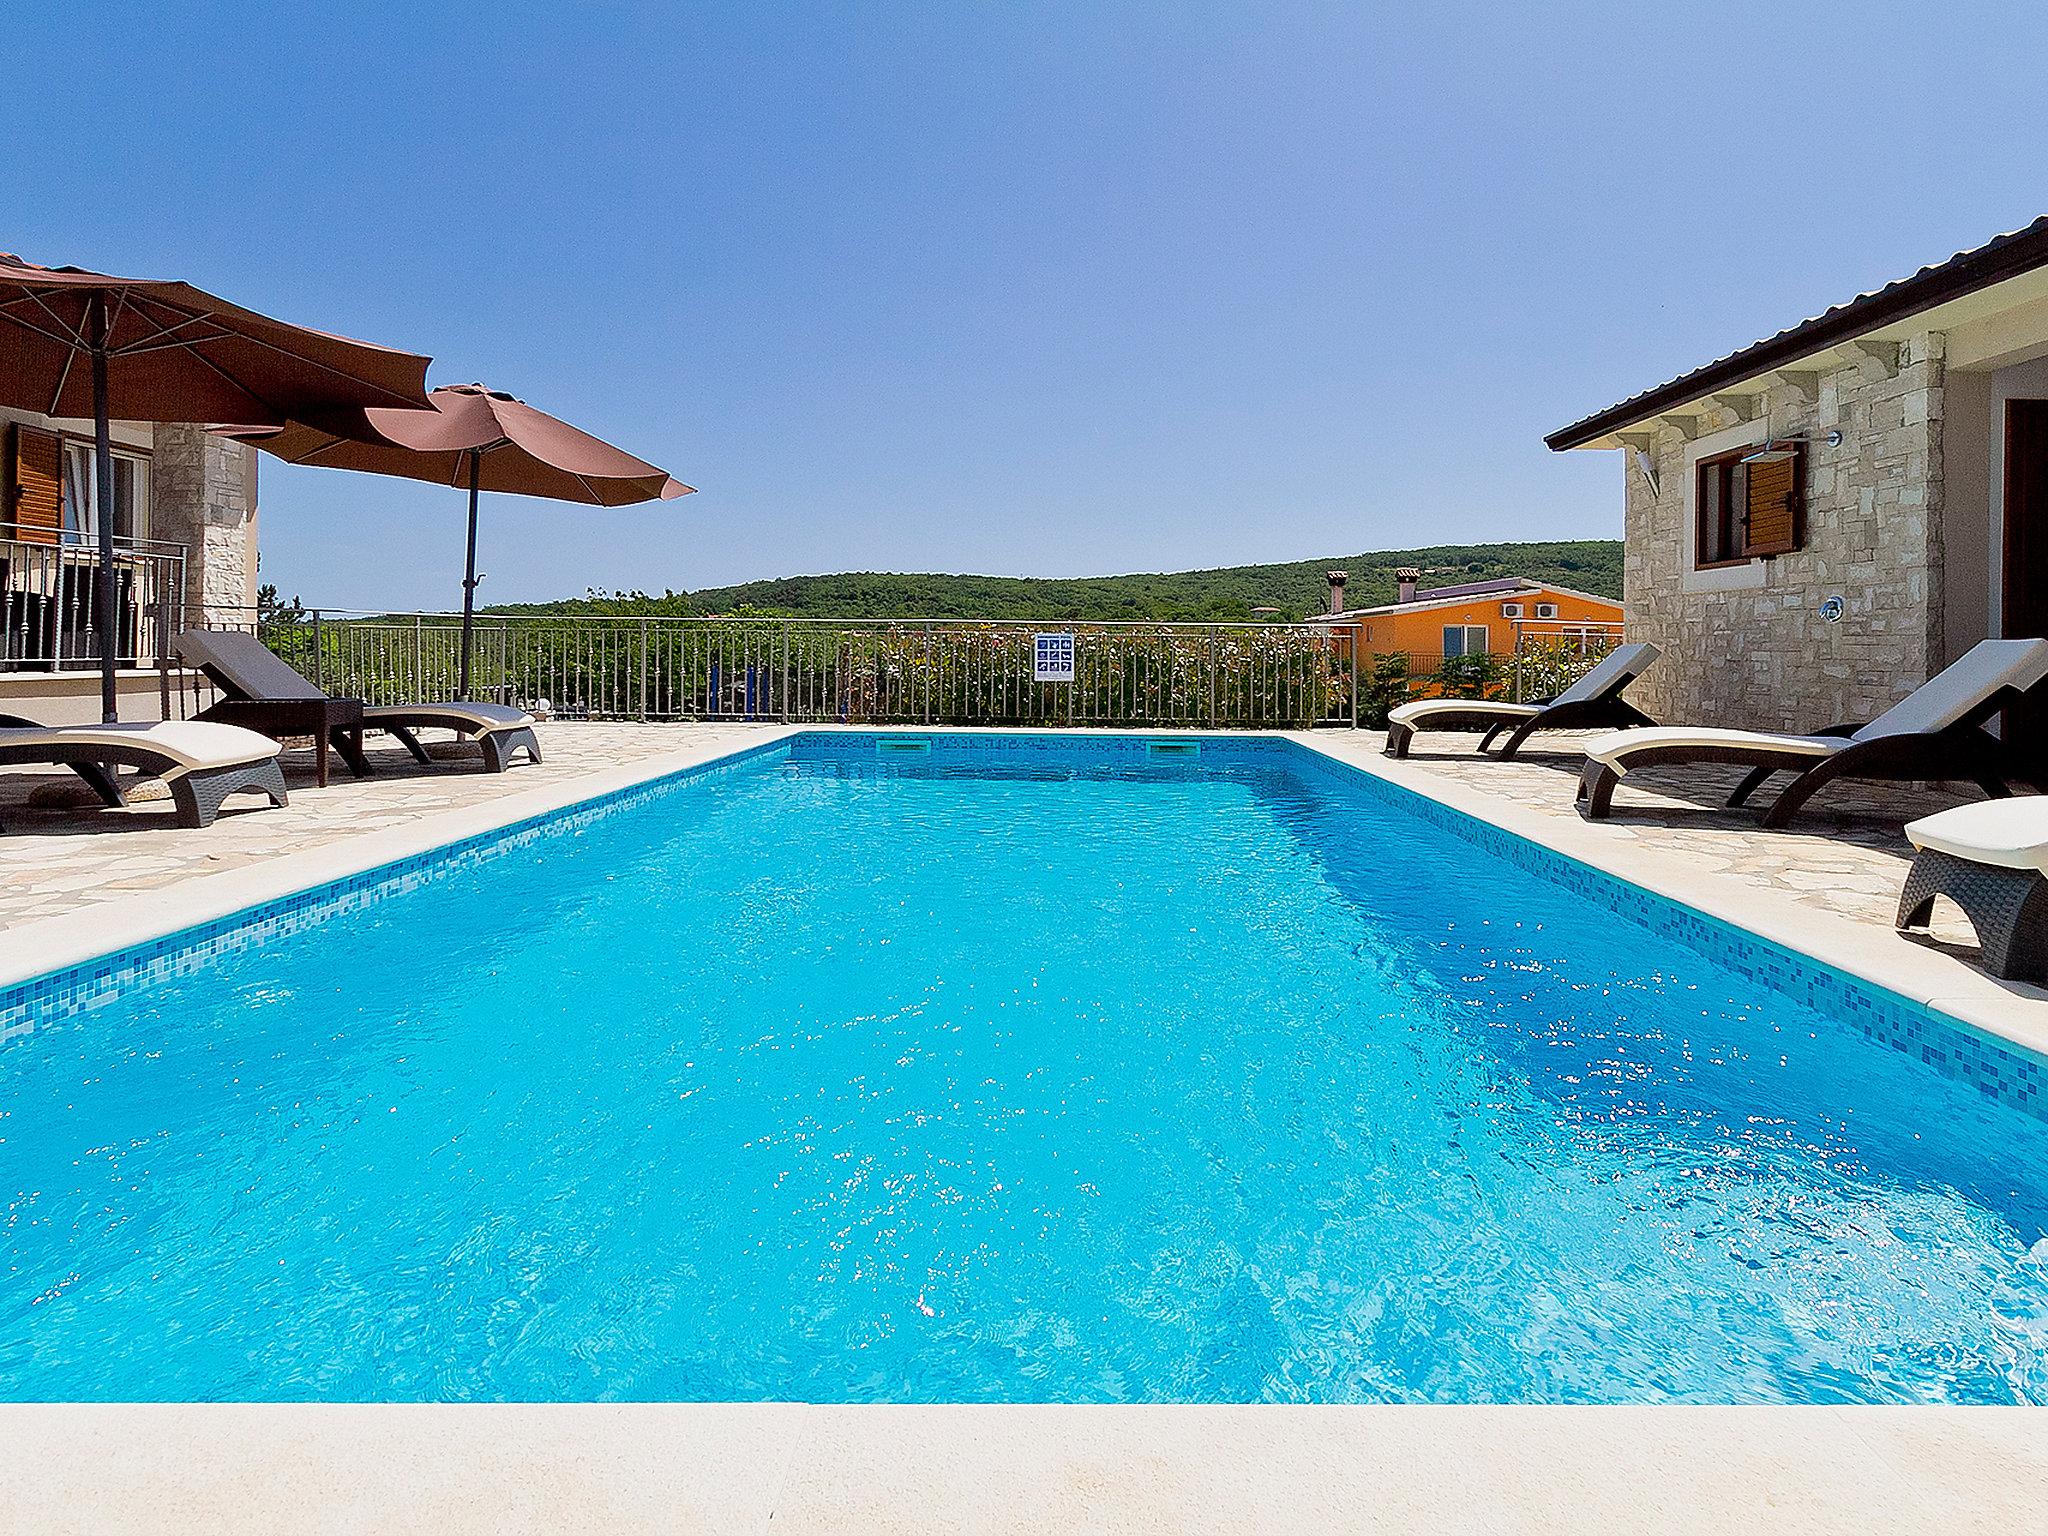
[1337, 580]
[1407, 576]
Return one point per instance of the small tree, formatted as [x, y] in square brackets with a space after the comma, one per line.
[1469, 677]
[1382, 685]
[271, 610]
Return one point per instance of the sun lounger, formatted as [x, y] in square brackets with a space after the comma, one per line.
[1990, 859]
[264, 693]
[1594, 700]
[201, 763]
[1935, 733]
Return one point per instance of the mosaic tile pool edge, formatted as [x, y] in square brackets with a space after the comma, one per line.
[1944, 1044]
[1948, 1045]
[40, 1001]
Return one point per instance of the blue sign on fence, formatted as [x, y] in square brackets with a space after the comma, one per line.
[1052, 659]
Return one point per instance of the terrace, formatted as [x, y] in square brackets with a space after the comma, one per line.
[63, 851]
[1829, 887]
[48, 617]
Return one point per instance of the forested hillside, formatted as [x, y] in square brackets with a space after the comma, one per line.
[1237, 592]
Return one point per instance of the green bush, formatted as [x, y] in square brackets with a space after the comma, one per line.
[1382, 686]
[1470, 677]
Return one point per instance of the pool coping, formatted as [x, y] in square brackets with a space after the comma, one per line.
[1135, 1468]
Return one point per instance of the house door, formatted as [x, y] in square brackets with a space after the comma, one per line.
[2025, 604]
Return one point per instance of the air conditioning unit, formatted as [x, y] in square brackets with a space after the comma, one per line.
[1546, 610]
[1511, 610]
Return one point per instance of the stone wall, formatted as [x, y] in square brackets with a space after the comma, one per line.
[1747, 645]
[204, 497]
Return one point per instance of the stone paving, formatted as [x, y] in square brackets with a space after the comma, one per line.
[61, 850]
[1845, 853]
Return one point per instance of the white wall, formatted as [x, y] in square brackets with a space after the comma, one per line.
[1968, 546]
[73, 698]
[1973, 524]
[129, 434]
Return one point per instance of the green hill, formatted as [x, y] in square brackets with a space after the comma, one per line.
[1295, 589]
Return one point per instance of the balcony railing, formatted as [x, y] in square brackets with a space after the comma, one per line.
[907, 671]
[50, 618]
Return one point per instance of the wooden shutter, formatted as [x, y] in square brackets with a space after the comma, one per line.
[1771, 520]
[35, 485]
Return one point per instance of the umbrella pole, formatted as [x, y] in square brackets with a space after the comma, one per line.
[103, 476]
[476, 460]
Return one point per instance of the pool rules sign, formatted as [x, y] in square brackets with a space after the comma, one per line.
[1052, 658]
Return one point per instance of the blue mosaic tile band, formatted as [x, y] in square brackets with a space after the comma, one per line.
[1944, 1044]
[1948, 1045]
[960, 746]
[90, 984]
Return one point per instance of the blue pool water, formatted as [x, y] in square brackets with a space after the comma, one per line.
[1055, 1077]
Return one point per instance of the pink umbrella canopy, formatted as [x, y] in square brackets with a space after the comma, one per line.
[88, 344]
[480, 438]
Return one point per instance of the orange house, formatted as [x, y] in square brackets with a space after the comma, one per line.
[1476, 618]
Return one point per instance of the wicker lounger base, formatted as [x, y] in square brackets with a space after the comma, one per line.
[2007, 907]
[498, 744]
[197, 794]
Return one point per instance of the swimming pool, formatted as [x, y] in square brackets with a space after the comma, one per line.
[999, 1068]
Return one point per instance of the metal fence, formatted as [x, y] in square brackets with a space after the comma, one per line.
[50, 609]
[904, 671]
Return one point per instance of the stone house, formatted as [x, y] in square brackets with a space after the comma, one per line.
[1818, 522]
[185, 535]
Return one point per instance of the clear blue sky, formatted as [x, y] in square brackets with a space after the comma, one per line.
[1036, 289]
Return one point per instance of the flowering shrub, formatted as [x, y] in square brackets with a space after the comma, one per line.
[1271, 676]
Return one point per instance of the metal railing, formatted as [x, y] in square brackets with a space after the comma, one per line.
[899, 671]
[50, 609]
[1550, 655]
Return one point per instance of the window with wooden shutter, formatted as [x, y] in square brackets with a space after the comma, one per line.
[1771, 523]
[35, 485]
[1719, 495]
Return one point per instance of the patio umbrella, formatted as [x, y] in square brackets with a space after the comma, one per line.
[78, 343]
[480, 438]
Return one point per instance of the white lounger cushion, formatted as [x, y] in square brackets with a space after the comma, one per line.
[1624, 661]
[1418, 711]
[188, 744]
[2013, 834]
[1616, 747]
[1961, 686]
[1619, 667]
[480, 717]
[1942, 701]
